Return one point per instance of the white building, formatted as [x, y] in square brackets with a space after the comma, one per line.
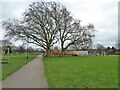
[81, 53]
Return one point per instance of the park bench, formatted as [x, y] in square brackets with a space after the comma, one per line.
[5, 60]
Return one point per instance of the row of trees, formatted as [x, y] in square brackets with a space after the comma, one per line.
[17, 49]
[112, 50]
[24, 49]
[46, 23]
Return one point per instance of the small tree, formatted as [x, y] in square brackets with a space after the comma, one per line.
[100, 47]
[108, 48]
[5, 45]
[6, 49]
[113, 50]
[56, 48]
[21, 49]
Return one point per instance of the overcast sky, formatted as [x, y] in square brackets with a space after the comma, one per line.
[102, 13]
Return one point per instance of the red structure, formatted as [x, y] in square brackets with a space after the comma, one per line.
[59, 53]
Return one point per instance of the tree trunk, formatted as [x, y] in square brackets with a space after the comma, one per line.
[62, 52]
[48, 53]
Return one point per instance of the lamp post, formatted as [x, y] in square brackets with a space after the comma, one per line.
[27, 54]
[27, 51]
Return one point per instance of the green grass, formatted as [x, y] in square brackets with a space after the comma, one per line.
[15, 62]
[82, 72]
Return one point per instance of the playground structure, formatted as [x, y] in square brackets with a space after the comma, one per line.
[103, 53]
[59, 52]
[81, 53]
[69, 53]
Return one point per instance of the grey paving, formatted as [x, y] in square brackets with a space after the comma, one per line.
[30, 75]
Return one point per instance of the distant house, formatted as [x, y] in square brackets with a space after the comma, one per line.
[118, 52]
[69, 53]
[59, 52]
[81, 53]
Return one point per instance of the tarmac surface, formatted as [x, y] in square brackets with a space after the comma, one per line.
[30, 75]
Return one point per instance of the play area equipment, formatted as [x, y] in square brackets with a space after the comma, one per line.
[99, 54]
[95, 53]
[5, 60]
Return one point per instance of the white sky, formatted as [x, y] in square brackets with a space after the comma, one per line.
[102, 13]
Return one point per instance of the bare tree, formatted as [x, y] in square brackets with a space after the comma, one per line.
[21, 49]
[6, 42]
[5, 45]
[30, 50]
[117, 45]
[37, 27]
[73, 33]
[56, 48]
[100, 47]
[82, 46]
[44, 23]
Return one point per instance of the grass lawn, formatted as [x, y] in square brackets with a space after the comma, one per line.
[15, 62]
[82, 72]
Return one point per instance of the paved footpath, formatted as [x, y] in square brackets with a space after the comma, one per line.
[30, 75]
